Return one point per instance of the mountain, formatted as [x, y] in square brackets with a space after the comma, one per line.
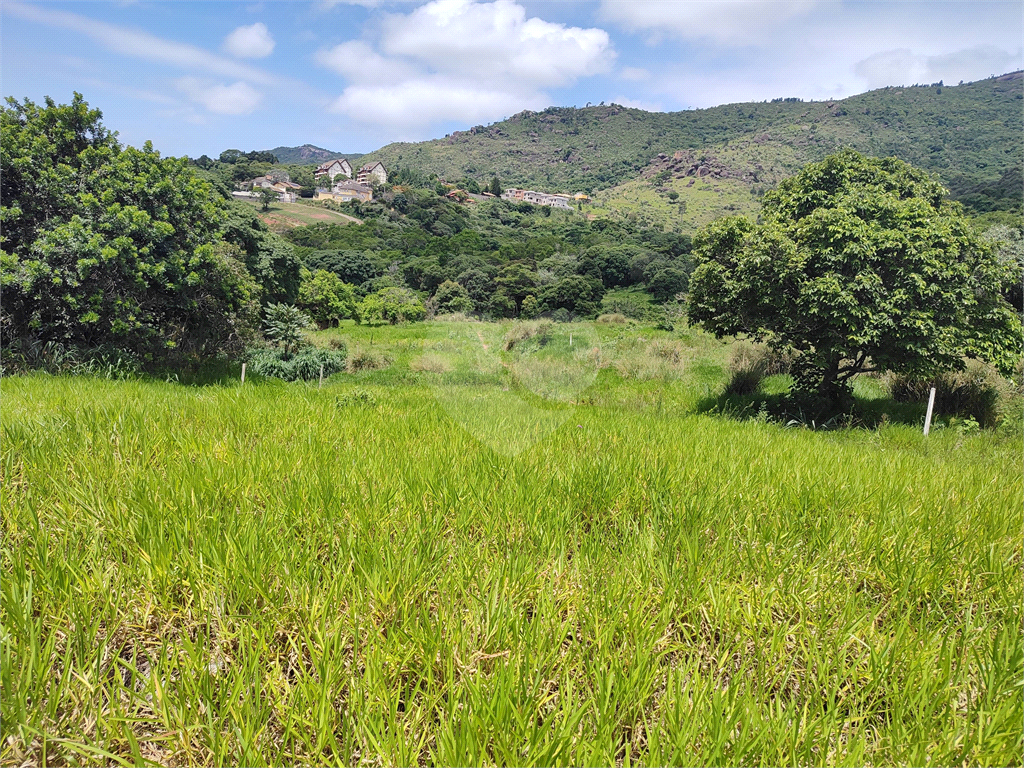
[969, 135]
[308, 154]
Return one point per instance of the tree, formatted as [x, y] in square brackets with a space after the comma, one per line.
[112, 246]
[575, 294]
[451, 297]
[495, 187]
[266, 196]
[860, 264]
[517, 280]
[326, 298]
[666, 283]
[477, 284]
[268, 257]
[285, 324]
[392, 305]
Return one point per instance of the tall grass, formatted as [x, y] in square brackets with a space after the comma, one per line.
[272, 574]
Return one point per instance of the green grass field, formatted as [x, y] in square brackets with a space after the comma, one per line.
[395, 570]
[283, 216]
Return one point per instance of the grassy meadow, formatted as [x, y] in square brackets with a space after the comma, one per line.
[501, 544]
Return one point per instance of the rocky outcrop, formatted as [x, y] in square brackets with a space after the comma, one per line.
[689, 163]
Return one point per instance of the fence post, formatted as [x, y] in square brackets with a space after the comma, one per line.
[243, 373]
[928, 415]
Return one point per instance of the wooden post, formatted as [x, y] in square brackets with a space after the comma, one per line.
[928, 415]
[243, 373]
[321, 378]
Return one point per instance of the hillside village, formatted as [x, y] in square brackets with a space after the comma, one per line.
[343, 187]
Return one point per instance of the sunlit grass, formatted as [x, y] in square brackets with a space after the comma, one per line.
[276, 574]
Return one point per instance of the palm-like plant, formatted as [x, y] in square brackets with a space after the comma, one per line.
[284, 324]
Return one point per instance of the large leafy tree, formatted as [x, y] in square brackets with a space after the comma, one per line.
[326, 298]
[859, 264]
[105, 245]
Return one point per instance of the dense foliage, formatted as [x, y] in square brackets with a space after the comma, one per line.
[859, 264]
[105, 245]
[306, 364]
[326, 298]
[490, 256]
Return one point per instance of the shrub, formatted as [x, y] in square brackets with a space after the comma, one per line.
[284, 324]
[977, 392]
[304, 365]
[612, 318]
[365, 360]
[667, 282]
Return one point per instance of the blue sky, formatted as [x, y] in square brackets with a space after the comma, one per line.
[200, 77]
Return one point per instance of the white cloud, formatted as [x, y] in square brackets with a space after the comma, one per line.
[420, 102]
[902, 66]
[359, 63]
[459, 60]
[634, 74]
[496, 41]
[252, 42]
[133, 42]
[236, 99]
[647, 106]
[739, 21]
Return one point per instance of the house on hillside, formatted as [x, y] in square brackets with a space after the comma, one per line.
[346, 191]
[333, 169]
[537, 198]
[374, 171]
[288, 191]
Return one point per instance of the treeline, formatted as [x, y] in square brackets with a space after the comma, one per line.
[116, 249]
[496, 258]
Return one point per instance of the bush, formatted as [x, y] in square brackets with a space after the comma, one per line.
[107, 246]
[612, 318]
[303, 365]
[392, 305]
[750, 364]
[284, 324]
[977, 392]
[364, 360]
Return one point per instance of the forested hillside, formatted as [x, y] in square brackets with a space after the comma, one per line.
[969, 135]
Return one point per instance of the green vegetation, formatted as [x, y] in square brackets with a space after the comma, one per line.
[520, 542]
[111, 247]
[507, 543]
[969, 135]
[858, 265]
[280, 217]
